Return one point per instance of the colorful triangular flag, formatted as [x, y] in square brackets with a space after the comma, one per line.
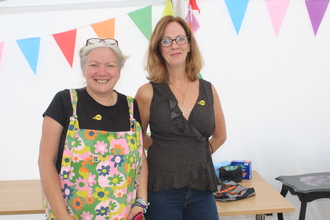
[194, 5]
[168, 10]
[316, 10]
[191, 19]
[277, 10]
[142, 19]
[30, 48]
[237, 9]
[1, 48]
[105, 29]
[192, 16]
[179, 7]
[66, 41]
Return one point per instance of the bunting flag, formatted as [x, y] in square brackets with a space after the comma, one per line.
[142, 19]
[237, 10]
[316, 10]
[179, 8]
[1, 48]
[192, 16]
[194, 5]
[66, 41]
[105, 29]
[277, 10]
[168, 10]
[30, 48]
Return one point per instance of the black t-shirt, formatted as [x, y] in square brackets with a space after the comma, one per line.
[114, 118]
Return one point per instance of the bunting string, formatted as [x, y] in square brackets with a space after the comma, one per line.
[142, 18]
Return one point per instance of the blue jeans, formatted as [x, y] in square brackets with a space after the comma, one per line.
[182, 204]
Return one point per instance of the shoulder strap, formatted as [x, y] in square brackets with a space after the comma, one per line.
[73, 124]
[130, 102]
[74, 100]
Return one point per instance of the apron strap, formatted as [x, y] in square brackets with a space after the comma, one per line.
[74, 118]
[74, 100]
[130, 102]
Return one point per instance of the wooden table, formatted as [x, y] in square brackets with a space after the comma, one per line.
[266, 201]
[21, 197]
[24, 197]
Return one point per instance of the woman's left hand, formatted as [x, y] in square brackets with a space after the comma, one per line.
[134, 211]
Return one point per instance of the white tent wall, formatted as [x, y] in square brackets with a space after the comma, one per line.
[274, 90]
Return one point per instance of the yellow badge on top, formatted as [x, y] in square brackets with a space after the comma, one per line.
[98, 117]
[201, 102]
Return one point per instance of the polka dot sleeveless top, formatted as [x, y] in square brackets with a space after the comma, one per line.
[180, 155]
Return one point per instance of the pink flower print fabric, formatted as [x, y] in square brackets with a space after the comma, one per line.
[100, 170]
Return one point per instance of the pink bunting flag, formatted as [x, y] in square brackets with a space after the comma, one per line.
[277, 10]
[316, 10]
[192, 16]
[66, 41]
[1, 48]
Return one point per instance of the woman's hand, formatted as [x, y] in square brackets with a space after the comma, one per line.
[134, 211]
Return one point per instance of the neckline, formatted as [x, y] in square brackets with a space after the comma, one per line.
[106, 106]
[173, 98]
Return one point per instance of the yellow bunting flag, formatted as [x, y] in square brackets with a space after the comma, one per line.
[168, 10]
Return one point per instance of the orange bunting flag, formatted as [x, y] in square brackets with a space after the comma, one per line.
[67, 41]
[105, 29]
[192, 16]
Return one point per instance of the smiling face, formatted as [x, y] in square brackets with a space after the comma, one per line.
[175, 55]
[101, 71]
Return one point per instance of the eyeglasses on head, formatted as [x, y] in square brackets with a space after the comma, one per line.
[109, 41]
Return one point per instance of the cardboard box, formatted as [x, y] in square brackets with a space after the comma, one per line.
[246, 167]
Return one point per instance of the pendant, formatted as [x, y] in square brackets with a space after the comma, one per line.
[184, 97]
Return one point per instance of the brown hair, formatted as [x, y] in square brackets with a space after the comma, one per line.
[155, 63]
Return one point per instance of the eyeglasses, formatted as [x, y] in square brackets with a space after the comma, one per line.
[109, 41]
[166, 42]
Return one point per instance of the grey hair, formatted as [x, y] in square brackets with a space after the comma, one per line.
[85, 50]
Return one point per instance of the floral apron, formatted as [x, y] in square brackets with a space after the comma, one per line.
[100, 169]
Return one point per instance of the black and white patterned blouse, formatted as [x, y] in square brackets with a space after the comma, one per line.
[180, 155]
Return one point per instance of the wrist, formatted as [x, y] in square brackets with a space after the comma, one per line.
[143, 203]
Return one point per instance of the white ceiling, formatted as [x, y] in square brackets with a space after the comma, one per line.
[29, 6]
[15, 3]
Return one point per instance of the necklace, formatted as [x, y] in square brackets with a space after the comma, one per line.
[184, 95]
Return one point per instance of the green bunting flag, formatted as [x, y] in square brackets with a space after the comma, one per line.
[142, 19]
